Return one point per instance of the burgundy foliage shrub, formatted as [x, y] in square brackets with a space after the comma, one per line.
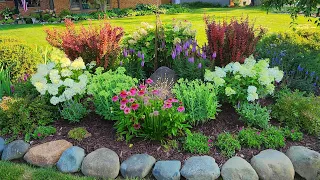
[95, 43]
[231, 42]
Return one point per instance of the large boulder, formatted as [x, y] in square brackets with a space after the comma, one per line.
[200, 168]
[238, 168]
[272, 164]
[137, 166]
[47, 154]
[164, 170]
[2, 144]
[102, 163]
[15, 150]
[71, 160]
[163, 79]
[305, 162]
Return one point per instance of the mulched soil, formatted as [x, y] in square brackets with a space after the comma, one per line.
[103, 135]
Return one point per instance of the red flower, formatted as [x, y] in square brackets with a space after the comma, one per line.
[134, 106]
[115, 98]
[142, 86]
[123, 94]
[149, 81]
[136, 126]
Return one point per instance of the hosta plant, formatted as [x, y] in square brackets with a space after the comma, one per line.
[143, 113]
[61, 79]
[245, 82]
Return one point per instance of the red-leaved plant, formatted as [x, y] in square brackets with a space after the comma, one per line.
[95, 43]
[231, 42]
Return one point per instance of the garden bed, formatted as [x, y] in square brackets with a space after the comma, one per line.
[104, 135]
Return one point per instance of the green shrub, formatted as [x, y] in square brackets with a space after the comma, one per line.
[22, 116]
[78, 133]
[250, 138]
[197, 143]
[254, 114]
[103, 86]
[273, 138]
[46, 17]
[200, 100]
[73, 111]
[295, 110]
[5, 84]
[19, 57]
[64, 13]
[43, 131]
[25, 88]
[228, 144]
[293, 134]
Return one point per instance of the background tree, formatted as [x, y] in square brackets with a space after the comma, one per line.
[306, 7]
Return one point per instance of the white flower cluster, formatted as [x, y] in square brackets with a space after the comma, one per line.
[141, 32]
[253, 75]
[183, 27]
[61, 79]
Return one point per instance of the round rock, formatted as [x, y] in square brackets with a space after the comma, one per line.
[305, 162]
[103, 163]
[137, 166]
[167, 170]
[47, 154]
[71, 160]
[200, 168]
[15, 150]
[237, 168]
[272, 164]
[2, 144]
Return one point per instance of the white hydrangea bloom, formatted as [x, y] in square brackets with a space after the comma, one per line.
[131, 41]
[236, 67]
[51, 65]
[209, 75]
[229, 91]
[270, 88]
[252, 89]
[276, 73]
[250, 61]
[78, 64]
[43, 69]
[228, 67]
[136, 36]
[218, 81]
[143, 32]
[68, 93]
[68, 82]
[265, 78]
[65, 62]
[54, 76]
[53, 89]
[252, 97]
[219, 72]
[66, 73]
[41, 87]
[54, 100]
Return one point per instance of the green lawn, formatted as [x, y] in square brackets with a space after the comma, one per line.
[34, 34]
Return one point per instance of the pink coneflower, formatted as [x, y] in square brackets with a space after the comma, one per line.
[209, 140]
[123, 106]
[142, 86]
[155, 92]
[241, 128]
[146, 101]
[149, 81]
[123, 94]
[181, 109]
[258, 132]
[174, 100]
[124, 101]
[134, 106]
[133, 91]
[127, 110]
[209, 145]
[136, 126]
[167, 105]
[39, 135]
[131, 100]
[156, 113]
[115, 98]
[141, 92]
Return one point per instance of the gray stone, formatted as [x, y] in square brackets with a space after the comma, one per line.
[305, 162]
[167, 170]
[164, 79]
[200, 168]
[273, 165]
[15, 150]
[103, 163]
[137, 166]
[237, 168]
[71, 159]
[2, 144]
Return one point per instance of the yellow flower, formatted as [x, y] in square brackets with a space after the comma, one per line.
[77, 64]
[130, 145]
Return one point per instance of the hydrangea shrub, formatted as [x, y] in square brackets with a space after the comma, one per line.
[61, 79]
[245, 82]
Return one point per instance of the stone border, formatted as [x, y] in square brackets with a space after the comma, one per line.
[104, 163]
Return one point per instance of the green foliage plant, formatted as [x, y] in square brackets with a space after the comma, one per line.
[43, 131]
[295, 110]
[78, 133]
[250, 138]
[197, 143]
[5, 83]
[73, 111]
[254, 115]
[293, 134]
[103, 86]
[273, 138]
[228, 144]
[199, 98]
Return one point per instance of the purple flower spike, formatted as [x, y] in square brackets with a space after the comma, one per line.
[203, 55]
[121, 63]
[199, 65]
[186, 53]
[125, 53]
[139, 54]
[194, 47]
[142, 63]
[300, 68]
[173, 54]
[142, 56]
[191, 59]
[214, 55]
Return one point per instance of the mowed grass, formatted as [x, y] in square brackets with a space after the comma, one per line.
[34, 34]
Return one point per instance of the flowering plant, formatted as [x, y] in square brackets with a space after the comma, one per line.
[144, 114]
[249, 81]
[61, 79]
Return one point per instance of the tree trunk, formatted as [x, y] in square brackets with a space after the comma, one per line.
[252, 3]
[118, 4]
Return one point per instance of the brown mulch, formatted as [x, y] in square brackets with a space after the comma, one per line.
[103, 135]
